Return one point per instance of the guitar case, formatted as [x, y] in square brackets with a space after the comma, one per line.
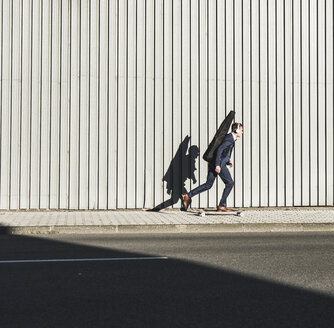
[210, 153]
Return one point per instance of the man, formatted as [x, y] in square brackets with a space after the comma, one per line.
[223, 158]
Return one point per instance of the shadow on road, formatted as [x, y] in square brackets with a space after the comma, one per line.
[159, 293]
[4, 230]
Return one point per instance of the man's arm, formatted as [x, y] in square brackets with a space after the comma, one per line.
[230, 164]
[226, 143]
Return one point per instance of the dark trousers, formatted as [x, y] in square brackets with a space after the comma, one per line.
[212, 174]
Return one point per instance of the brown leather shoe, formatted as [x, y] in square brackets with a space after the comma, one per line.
[223, 209]
[186, 200]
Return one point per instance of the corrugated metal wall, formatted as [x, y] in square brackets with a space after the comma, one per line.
[104, 104]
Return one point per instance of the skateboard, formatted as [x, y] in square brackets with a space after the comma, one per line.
[204, 212]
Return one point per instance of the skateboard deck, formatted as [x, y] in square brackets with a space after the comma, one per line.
[214, 212]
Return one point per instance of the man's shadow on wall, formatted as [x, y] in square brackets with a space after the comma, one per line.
[181, 168]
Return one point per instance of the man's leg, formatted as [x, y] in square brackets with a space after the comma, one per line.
[229, 183]
[205, 186]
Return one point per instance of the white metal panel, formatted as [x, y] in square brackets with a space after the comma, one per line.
[158, 104]
[221, 75]
[264, 101]
[246, 139]
[212, 87]
[288, 147]
[45, 105]
[272, 105]
[255, 103]
[94, 105]
[168, 103]
[322, 131]
[140, 104]
[55, 104]
[84, 104]
[238, 102]
[64, 106]
[297, 164]
[186, 166]
[26, 104]
[194, 100]
[6, 103]
[131, 105]
[314, 104]
[177, 98]
[15, 140]
[280, 100]
[149, 114]
[305, 105]
[230, 77]
[329, 104]
[113, 104]
[203, 94]
[103, 106]
[74, 106]
[2, 54]
[35, 106]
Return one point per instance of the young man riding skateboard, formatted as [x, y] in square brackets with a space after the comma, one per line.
[219, 166]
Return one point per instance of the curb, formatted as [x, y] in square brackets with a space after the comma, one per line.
[170, 228]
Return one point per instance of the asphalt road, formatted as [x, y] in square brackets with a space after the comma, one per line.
[208, 280]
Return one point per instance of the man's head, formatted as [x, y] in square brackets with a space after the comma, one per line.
[237, 129]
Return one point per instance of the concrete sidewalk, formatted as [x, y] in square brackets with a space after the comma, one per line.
[260, 220]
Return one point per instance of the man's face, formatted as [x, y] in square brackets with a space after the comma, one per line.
[241, 131]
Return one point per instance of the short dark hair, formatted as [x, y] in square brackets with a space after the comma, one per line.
[235, 126]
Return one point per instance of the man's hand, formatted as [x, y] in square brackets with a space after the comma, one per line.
[217, 169]
[230, 164]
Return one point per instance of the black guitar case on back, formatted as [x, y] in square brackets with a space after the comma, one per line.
[210, 153]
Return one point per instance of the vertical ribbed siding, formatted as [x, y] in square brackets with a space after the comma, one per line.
[102, 100]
